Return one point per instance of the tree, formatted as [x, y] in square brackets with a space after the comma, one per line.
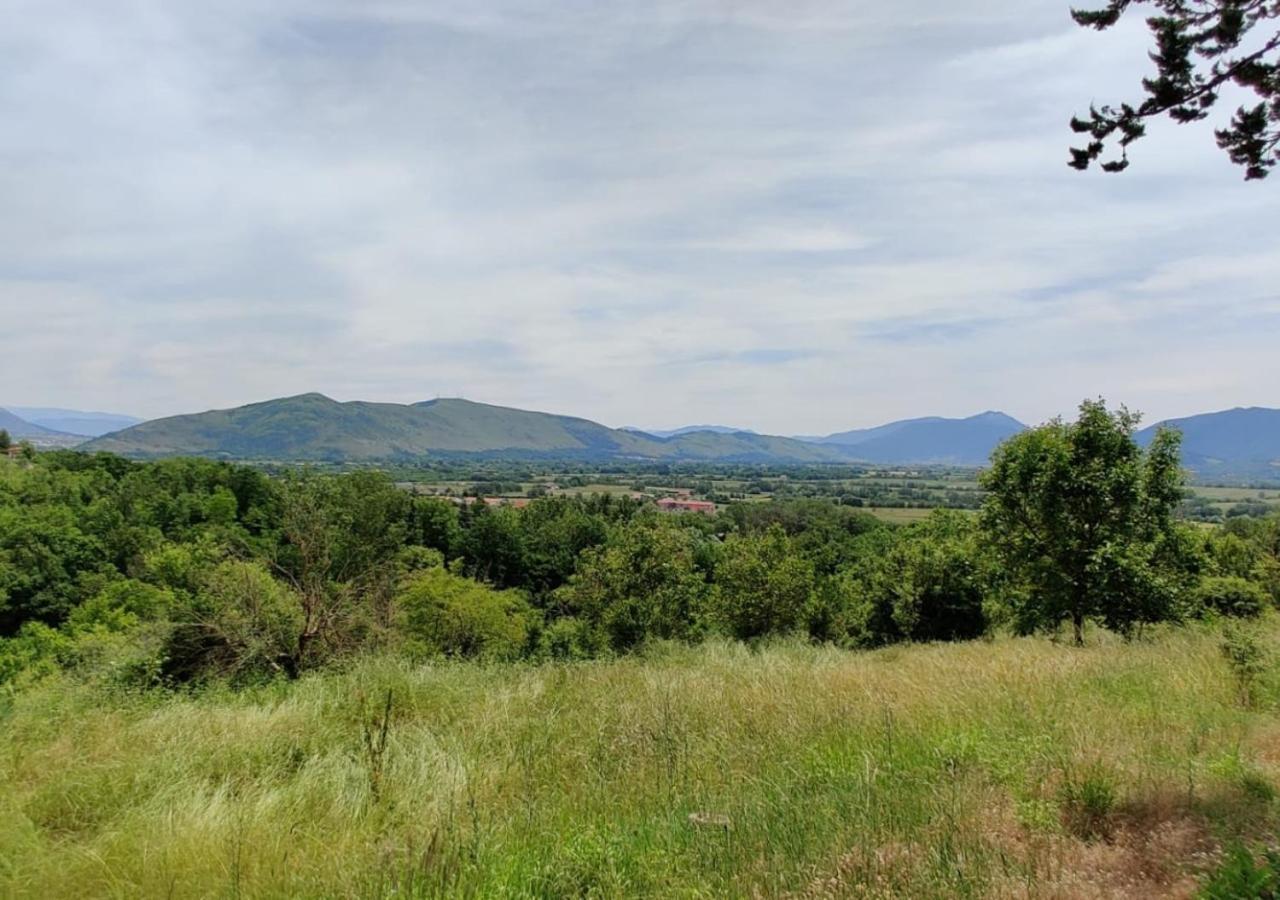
[5, 441]
[1202, 47]
[644, 583]
[1082, 520]
[764, 584]
[920, 583]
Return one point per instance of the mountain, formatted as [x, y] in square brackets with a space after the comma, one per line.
[688, 429]
[314, 427]
[959, 442]
[74, 421]
[1233, 443]
[21, 429]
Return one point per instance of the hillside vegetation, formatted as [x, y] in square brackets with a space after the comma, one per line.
[215, 681]
[313, 427]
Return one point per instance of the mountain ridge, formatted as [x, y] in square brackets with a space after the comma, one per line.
[313, 427]
[80, 423]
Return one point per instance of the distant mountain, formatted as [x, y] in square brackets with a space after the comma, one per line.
[21, 429]
[314, 427]
[959, 442]
[1234, 443]
[688, 429]
[74, 421]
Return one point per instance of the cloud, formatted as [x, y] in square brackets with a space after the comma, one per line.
[794, 217]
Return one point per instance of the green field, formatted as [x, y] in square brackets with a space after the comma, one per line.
[1018, 767]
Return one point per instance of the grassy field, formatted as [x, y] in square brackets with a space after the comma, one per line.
[1010, 769]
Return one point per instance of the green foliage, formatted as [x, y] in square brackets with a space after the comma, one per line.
[1247, 659]
[1201, 49]
[644, 583]
[923, 583]
[1081, 519]
[242, 623]
[763, 585]
[1244, 875]
[442, 614]
[1088, 802]
[1231, 596]
[122, 606]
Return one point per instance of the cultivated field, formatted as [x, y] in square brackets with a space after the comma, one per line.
[1012, 768]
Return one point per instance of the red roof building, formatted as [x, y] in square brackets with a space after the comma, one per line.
[672, 504]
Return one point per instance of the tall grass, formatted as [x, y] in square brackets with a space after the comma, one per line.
[1010, 768]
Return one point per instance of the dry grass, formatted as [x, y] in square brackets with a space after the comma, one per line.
[712, 771]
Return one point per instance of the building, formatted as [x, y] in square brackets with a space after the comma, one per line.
[673, 504]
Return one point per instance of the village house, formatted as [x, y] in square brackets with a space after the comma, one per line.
[672, 504]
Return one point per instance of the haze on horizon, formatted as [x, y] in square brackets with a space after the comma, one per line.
[795, 220]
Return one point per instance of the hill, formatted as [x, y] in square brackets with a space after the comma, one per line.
[961, 442]
[21, 429]
[75, 421]
[688, 429]
[315, 427]
[1234, 443]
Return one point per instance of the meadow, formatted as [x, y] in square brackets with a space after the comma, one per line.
[1013, 767]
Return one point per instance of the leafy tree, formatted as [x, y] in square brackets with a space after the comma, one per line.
[1082, 520]
[763, 585]
[493, 545]
[644, 583]
[1201, 48]
[5, 441]
[921, 583]
[445, 614]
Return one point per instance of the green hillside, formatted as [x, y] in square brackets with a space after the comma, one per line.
[314, 427]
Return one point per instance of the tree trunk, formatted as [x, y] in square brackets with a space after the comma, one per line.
[1077, 625]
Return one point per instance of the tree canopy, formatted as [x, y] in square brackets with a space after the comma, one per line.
[1202, 47]
[1083, 521]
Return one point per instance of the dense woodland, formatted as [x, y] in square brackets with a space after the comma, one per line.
[183, 570]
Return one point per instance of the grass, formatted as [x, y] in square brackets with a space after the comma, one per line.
[1011, 768]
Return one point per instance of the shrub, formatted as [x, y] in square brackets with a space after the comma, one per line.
[445, 614]
[1247, 660]
[1241, 874]
[35, 650]
[1231, 596]
[764, 585]
[571, 639]
[121, 606]
[644, 583]
[241, 623]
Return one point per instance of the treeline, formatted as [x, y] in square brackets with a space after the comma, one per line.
[181, 570]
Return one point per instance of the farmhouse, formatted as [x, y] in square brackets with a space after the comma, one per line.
[672, 504]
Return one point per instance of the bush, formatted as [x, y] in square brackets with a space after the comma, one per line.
[1244, 875]
[764, 585]
[1231, 596]
[35, 650]
[241, 623]
[121, 606]
[923, 583]
[571, 639]
[441, 613]
[1247, 660]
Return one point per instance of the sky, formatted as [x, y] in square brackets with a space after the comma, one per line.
[795, 217]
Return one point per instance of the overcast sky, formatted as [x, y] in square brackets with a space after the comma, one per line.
[797, 217]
